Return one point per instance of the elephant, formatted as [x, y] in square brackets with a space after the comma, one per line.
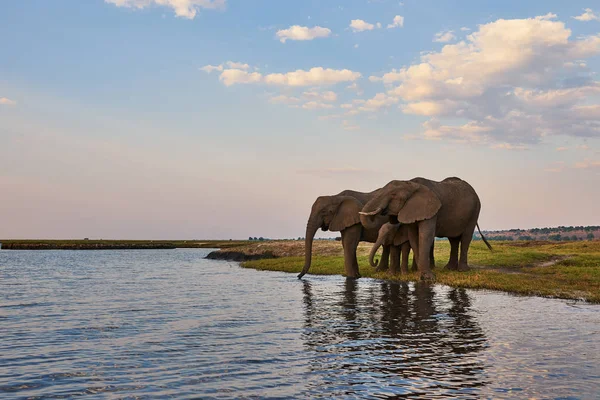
[340, 213]
[396, 236]
[430, 209]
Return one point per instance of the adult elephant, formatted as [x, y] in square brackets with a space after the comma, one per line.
[396, 237]
[339, 213]
[449, 208]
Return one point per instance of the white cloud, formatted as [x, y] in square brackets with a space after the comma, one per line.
[509, 82]
[398, 22]
[508, 146]
[358, 25]
[183, 8]
[316, 105]
[297, 32]
[317, 76]
[350, 126]
[465, 29]
[7, 102]
[283, 99]
[237, 65]
[587, 164]
[236, 76]
[231, 64]
[380, 100]
[210, 68]
[444, 37]
[587, 16]
[327, 96]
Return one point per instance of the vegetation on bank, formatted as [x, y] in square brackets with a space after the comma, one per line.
[116, 244]
[568, 270]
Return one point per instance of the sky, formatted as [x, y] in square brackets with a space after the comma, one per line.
[219, 119]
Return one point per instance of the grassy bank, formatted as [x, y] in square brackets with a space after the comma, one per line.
[569, 270]
[116, 244]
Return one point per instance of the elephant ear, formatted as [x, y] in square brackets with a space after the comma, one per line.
[346, 214]
[422, 204]
[401, 236]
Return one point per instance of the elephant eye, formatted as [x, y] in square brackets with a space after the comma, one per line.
[384, 212]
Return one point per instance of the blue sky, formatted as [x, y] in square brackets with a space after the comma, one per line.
[211, 119]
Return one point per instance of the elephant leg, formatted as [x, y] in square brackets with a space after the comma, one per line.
[431, 257]
[404, 251]
[426, 238]
[413, 238]
[385, 258]
[395, 259]
[465, 242]
[453, 262]
[350, 239]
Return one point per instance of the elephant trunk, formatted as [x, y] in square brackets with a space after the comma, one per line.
[374, 249]
[311, 228]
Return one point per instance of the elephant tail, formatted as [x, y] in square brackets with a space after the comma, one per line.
[484, 239]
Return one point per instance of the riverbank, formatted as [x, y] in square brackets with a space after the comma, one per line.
[567, 270]
[117, 244]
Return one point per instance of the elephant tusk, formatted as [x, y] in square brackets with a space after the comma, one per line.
[370, 213]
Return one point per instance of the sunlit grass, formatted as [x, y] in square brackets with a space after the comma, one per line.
[569, 270]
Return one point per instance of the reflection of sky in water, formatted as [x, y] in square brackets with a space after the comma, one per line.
[172, 323]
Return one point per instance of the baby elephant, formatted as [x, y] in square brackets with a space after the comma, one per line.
[396, 237]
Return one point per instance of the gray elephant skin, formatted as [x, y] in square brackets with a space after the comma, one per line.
[339, 213]
[396, 237]
[430, 209]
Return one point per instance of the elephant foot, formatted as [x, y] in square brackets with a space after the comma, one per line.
[463, 267]
[451, 266]
[381, 269]
[427, 276]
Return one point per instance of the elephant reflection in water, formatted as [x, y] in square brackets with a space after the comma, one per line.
[403, 336]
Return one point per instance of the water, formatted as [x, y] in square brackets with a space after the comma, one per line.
[170, 324]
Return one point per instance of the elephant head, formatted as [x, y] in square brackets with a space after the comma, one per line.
[389, 234]
[404, 201]
[333, 213]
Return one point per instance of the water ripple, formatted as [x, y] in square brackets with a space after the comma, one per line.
[171, 324]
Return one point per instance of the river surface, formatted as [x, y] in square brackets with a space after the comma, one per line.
[171, 324]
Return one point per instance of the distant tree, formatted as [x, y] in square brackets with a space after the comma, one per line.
[250, 238]
[556, 237]
[574, 237]
[590, 236]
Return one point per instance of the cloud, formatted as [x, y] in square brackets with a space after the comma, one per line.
[508, 146]
[358, 25]
[444, 37]
[398, 22]
[465, 29]
[231, 64]
[316, 105]
[587, 164]
[238, 76]
[283, 99]
[7, 102]
[507, 82]
[297, 32]
[328, 96]
[210, 68]
[587, 16]
[380, 100]
[183, 8]
[317, 76]
[350, 126]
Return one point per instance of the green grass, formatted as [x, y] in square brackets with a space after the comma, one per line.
[569, 270]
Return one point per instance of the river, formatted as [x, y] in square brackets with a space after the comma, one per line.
[171, 324]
